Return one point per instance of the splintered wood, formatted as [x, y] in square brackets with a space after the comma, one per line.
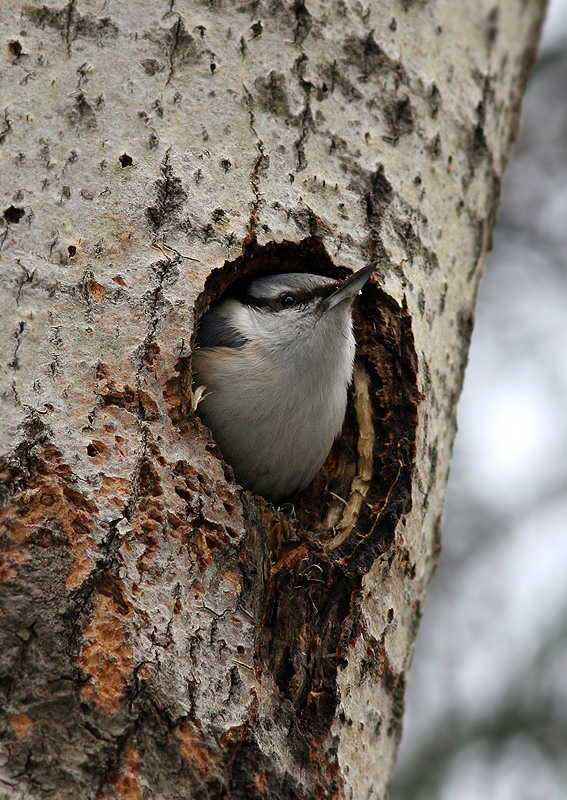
[361, 482]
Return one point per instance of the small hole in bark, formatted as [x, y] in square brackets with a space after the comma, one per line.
[15, 48]
[13, 214]
[72, 251]
[213, 66]
[96, 448]
[126, 160]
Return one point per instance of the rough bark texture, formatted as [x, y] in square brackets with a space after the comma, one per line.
[165, 634]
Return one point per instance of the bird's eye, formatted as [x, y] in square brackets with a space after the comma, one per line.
[287, 301]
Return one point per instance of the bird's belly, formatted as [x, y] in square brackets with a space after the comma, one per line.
[274, 448]
[280, 457]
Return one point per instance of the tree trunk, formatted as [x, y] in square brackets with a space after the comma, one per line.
[164, 633]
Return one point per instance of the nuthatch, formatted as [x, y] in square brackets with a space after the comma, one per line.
[276, 359]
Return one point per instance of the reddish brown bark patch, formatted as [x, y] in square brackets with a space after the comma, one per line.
[22, 725]
[106, 657]
[126, 785]
[194, 749]
[39, 501]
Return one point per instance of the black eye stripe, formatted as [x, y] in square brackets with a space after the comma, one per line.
[299, 298]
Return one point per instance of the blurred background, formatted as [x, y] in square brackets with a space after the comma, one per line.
[486, 706]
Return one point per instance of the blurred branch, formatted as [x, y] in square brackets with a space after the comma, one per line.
[425, 774]
[525, 711]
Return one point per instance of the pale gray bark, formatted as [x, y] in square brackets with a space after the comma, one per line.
[164, 633]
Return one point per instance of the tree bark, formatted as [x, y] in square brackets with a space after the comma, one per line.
[164, 633]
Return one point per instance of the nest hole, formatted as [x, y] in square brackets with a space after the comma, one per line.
[386, 355]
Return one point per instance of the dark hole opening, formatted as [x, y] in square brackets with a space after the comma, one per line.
[72, 251]
[15, 48]
[126, 160]
[13, 214]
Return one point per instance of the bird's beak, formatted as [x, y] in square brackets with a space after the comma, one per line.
[348, 289]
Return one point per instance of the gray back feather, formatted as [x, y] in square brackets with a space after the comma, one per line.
[216, 331]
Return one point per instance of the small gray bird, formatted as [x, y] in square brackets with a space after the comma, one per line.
[276, 360]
